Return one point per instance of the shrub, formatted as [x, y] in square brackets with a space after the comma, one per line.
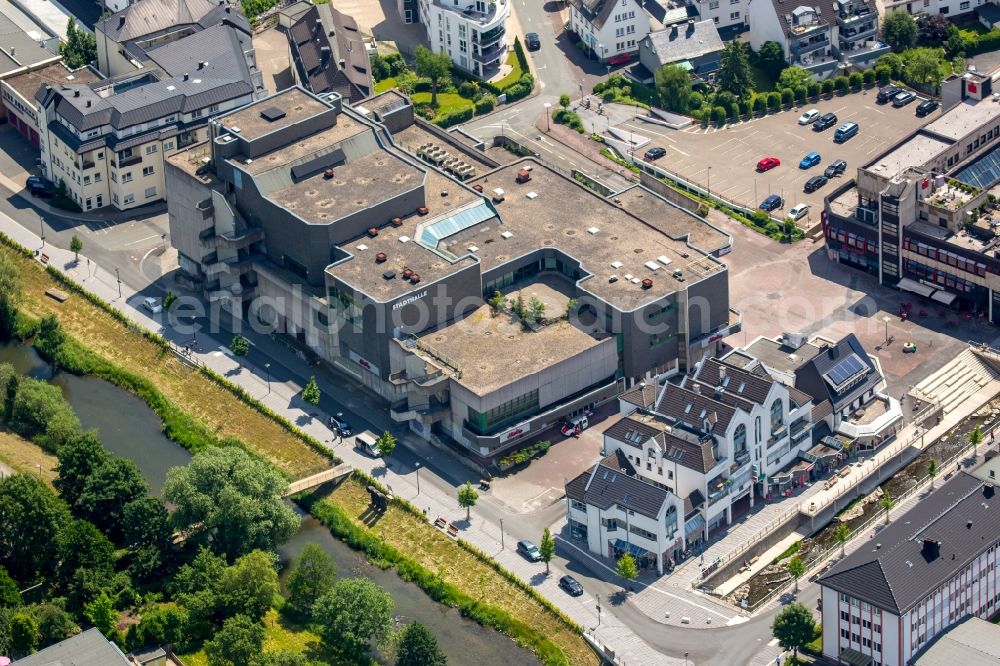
[841, 84]
[813, 88]
[485, 104]
[759, 104]
[467, 89]
[827, 86]
[718, 114]
[868, 76]
[856, 79]
[787, 96]
[744, 105]
[567, 117]
[454, 117]
[883, 73]
[773, 101]
[800, 94]
[696, 101]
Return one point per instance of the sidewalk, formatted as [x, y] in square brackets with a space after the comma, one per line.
[283, 398]
[106, 214]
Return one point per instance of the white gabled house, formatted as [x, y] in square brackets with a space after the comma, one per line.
[609, 28]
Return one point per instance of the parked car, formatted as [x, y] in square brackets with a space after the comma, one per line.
[529, 551]
[768, 163]
[152, 304]
[773, 202]
[926, 107]
[835, 169]
[654, 153]
[886, 94]
[620, 59]
[341, 426]
[809, 117]
[903, 98]
[40, 187]
[825, 121]
[810, 160]
[845, 132]
[367, 443]
[571, 585]
[798, 211]
[815, 183]
[532, 41]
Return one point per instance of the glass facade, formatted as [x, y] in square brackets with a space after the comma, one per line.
[483, 423]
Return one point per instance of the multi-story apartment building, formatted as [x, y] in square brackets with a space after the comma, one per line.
[911, 217]
[819, 37]
[730, 17]
[107, 141]
[609, 28]
[472, 32]
[386, 259]
[926, 571]
[327, 51]
[948, 8]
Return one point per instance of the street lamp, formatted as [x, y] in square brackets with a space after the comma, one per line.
[548, 117]
[598, 610]
[119, 277]
[418, 478]
[709, 182]
[267, 369]
[41, 225]
[886, 320]
[501, 534]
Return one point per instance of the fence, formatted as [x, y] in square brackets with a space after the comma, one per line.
[757, 538]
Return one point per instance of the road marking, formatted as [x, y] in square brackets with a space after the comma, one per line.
[772, 642]
[143, 240]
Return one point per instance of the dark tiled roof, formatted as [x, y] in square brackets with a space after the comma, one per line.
[641, 395]
[596, 12]
[809, 377]
[821, 410]
[693, 501]
[149, 17]
[686, 406]
[687, 450]
[611, 482]
[736, 381]
[89, 648]
[317, 58]
[632, 431]
[900, 573]
[681, 42]
[798, 397]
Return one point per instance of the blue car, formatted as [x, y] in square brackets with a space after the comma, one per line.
[771, 203]
[810, 160]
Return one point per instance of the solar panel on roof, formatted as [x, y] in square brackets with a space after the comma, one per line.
[847, 369]
[272, 113]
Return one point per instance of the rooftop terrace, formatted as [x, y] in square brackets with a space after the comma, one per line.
[295, 103]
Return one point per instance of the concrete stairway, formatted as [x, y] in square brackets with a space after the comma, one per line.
[957, 380]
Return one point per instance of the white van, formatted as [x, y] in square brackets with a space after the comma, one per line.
[367, 443]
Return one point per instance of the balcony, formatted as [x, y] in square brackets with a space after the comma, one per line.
[740, 459]
[126, 162]
[495, 10]
[720, 493]
[777, 436]
[800, 48]
[858, 32]
[490, 54]
[490, 36]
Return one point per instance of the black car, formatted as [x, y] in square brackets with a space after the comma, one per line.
[903, 98]
[771, 203]
[529, 551]
[886, 94]
[815, 183]
[926, 107]
[532, 40]
[826, 121]
[340, 426]
[40, 187]
[655, 153]
[835, 169]
[571, 585]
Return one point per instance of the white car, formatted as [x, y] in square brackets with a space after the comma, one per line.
[152, 304]
[808, 117]
[798, 211]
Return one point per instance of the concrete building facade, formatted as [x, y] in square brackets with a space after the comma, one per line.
[472, 32]
[609, 28]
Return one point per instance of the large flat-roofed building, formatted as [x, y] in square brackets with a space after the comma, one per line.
[930, 568]
[911, 216]
[388, 246]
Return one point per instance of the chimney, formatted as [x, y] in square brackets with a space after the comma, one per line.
[988, 490]
[88, 103]
[13, 51]
[121, 22]
[186, 76]
[968, 525]
[931, 549]
[76, 93]
[201, 65]
[673, 30]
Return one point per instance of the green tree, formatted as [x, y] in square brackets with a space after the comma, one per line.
[312, 576]
[433, 66]
[78, 458]
[734, 71]
[627, 568]
[24, 634]
[547, 549]
[237, 643]
[40, 412]
[75, 245]
[497, 302]
[311, 394]
[793, 77]
[102, 614]
[467, 498]
[564, 101]
[159, 625]
[887, 503]
[842, 535]
[80, 545]
[196, 588]
[899, 31]
[772, 57]
[80, 47]
[796, 567]
[418, 647]
[114, 484]
[30, 517]
[54, 623]
[10, 594]
[925, 66]
[10, 294]
[147, 535]
[673, 85]
[536, 309]
[282, 658]
[794, 627]
[932, 470]
[231, 498]
[385, 444]
[249, 586]
[351, 614]
[934, 29]
[50, 337]
[240, 346]
[975, 438]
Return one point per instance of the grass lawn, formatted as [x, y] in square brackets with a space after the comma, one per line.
[191, 391]
[25, 456]
[278, 635]
[385, 84]
[762, 81]
[437, 552]
[514, 75]
[447, 102]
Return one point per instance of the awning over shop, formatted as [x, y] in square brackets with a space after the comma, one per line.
[630, 548]
[855, 658]
[694, 524]
[945, 297]
[916, 287]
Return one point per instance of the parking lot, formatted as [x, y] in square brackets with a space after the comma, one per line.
[725, 159]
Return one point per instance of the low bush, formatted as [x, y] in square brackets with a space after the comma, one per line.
[868, 76]
[813, 88]
[718, 114]
[485, 104]
[744, 107]
[759, 104]
[842, 84]
[801, 93]
[827, 86]
[883, 73]
[454, 117]
[536, 450]
[787, 96]
[569, 118]
[773, 101]
[855, 80]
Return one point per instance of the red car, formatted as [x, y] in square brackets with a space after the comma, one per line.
[620, 59]
[768, 163]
